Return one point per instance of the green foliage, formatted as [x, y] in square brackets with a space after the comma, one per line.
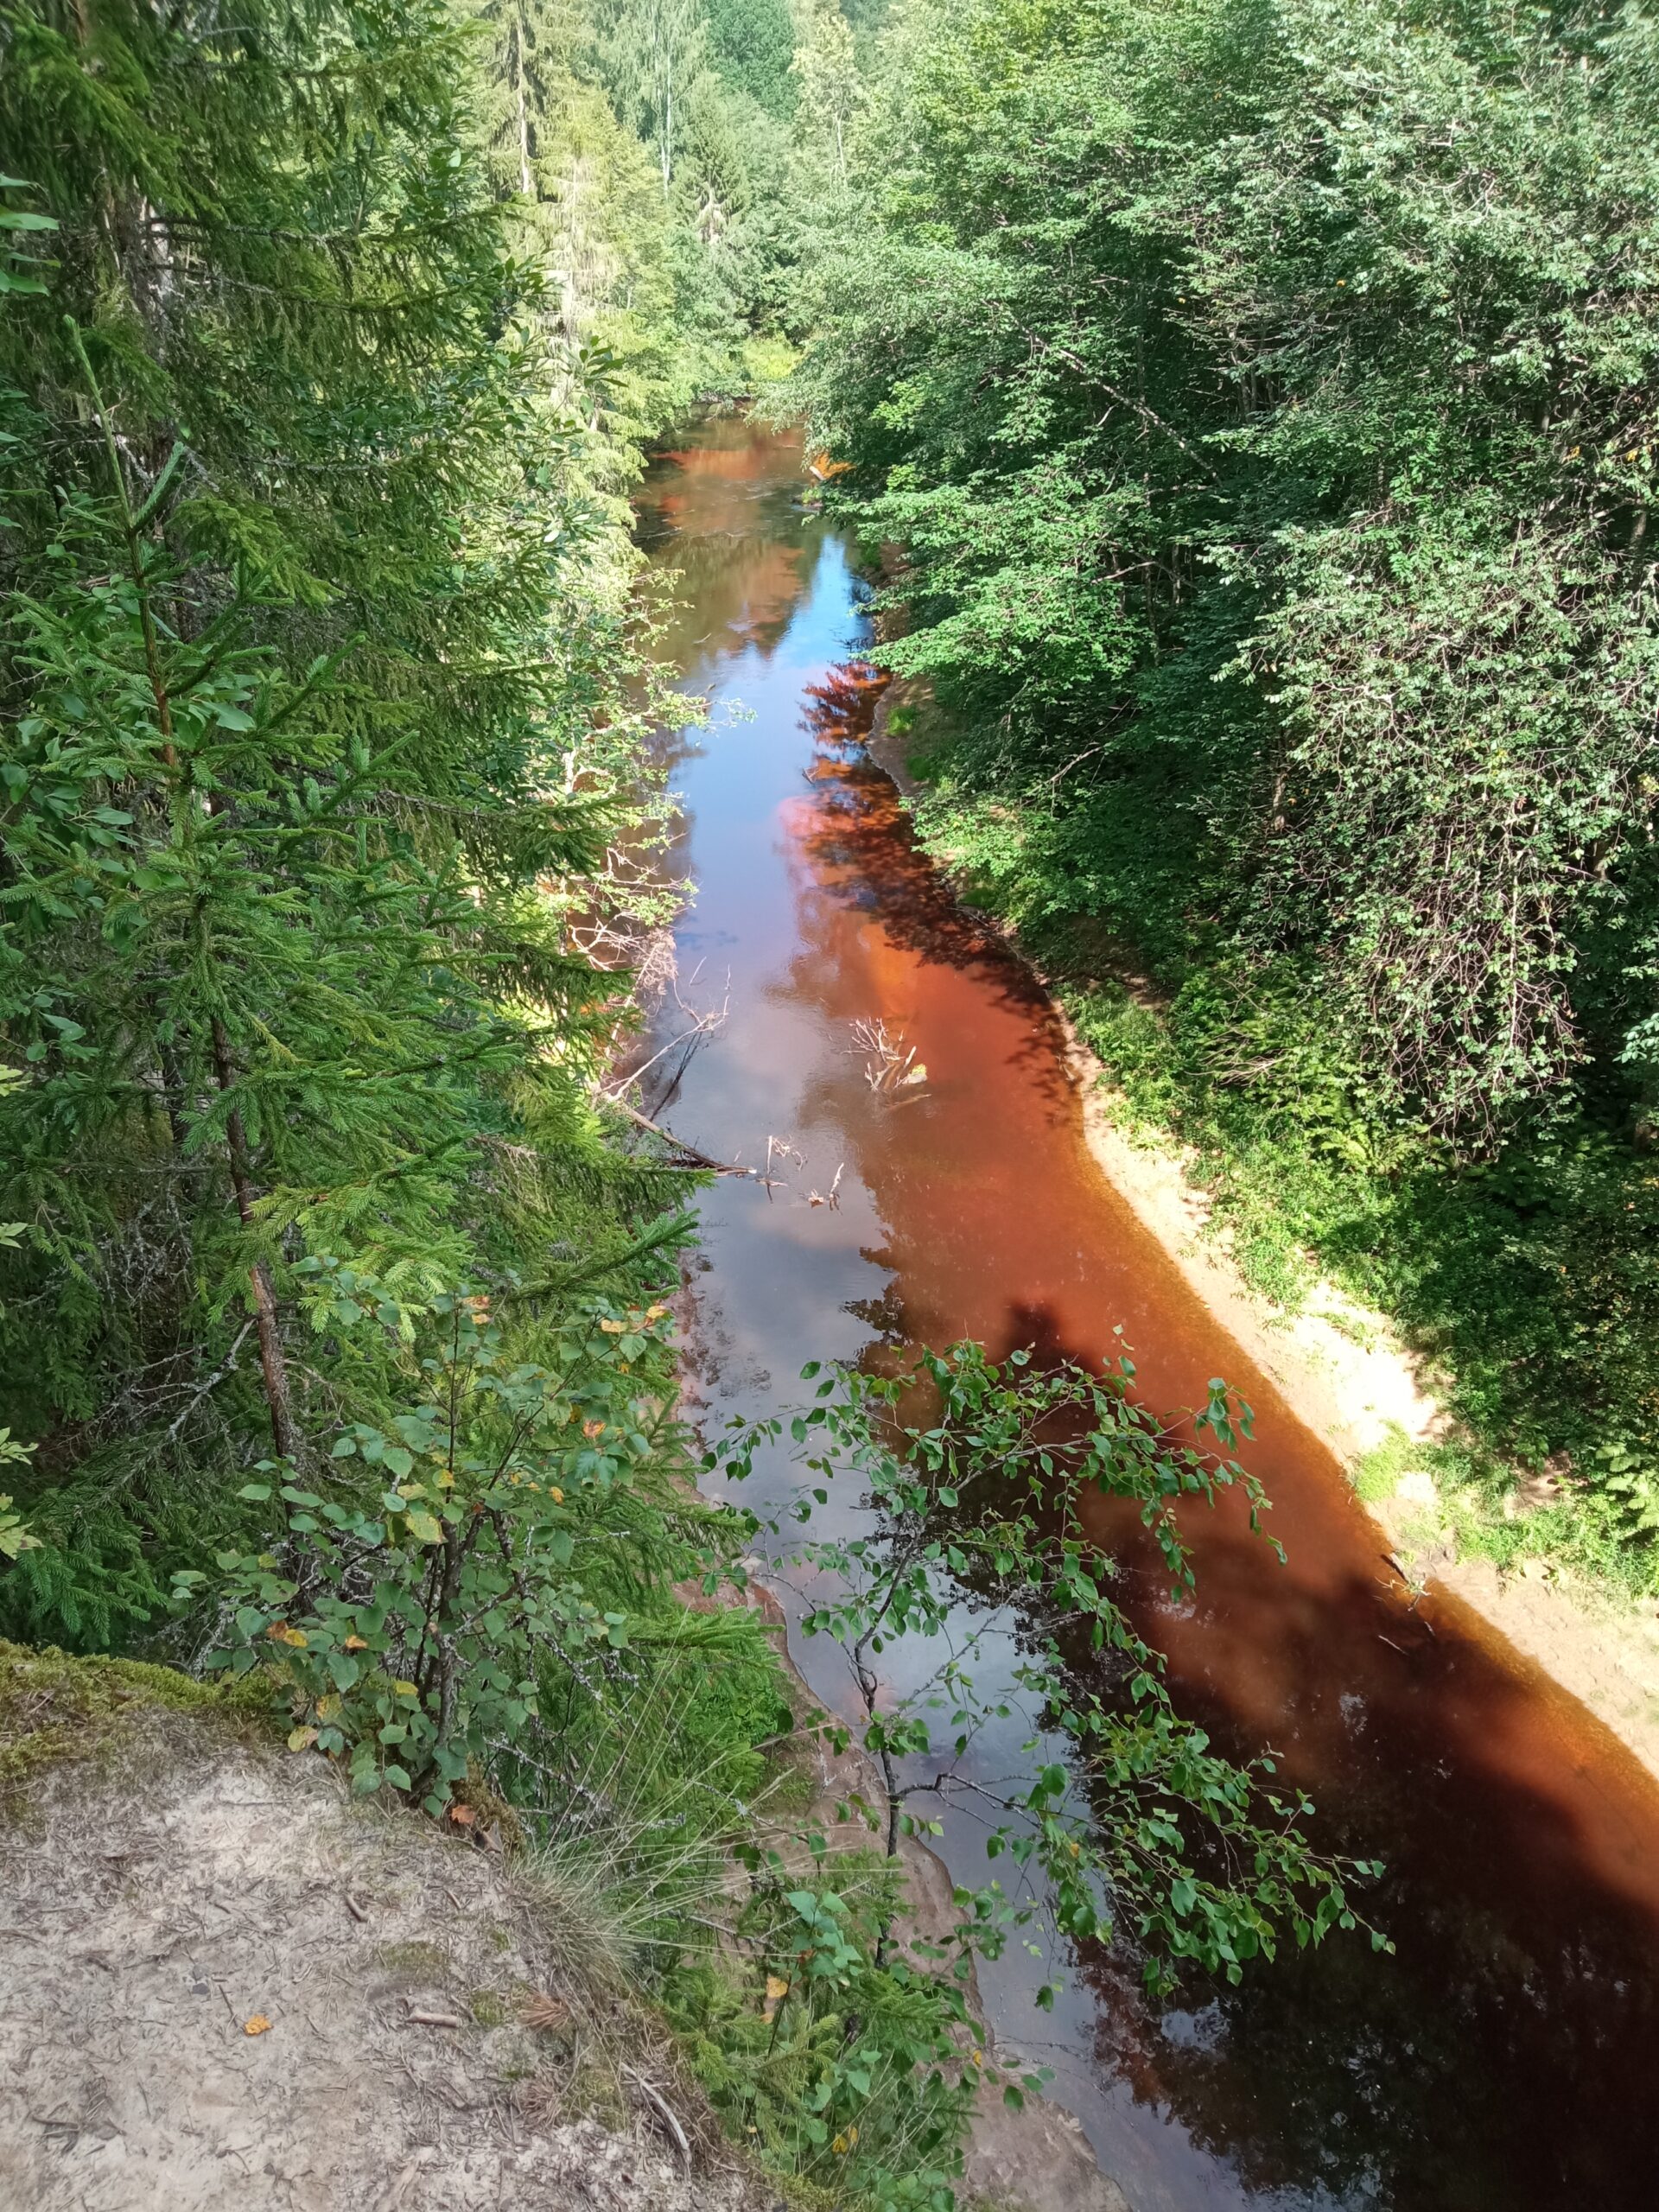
[632, 309]
[15, 1538]
[857, 2076]
[321, 760]
[1247, 196]
[20, 263]
[412, 1617]
[1259, 397]
[753, 44]
[745, 105]
[1270, 441]
[979, 1475]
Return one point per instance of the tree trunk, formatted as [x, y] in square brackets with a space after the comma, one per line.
[272, 1360]
[524, 120]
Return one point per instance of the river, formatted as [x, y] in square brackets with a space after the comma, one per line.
[1507, 2055]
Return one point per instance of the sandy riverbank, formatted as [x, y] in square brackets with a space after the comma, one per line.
[1345, 1373]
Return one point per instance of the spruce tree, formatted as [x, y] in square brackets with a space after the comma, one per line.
[315, 721]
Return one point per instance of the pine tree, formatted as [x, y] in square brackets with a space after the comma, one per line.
[315, 717]
[630, 311]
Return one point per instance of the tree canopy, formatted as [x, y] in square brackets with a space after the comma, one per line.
[1260, 399]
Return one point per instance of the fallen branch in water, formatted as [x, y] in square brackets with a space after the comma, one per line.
[776, 1149]
[892, 1067]
[694, 1158]
[703, 1025]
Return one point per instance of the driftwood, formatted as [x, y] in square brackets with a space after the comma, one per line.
[693, 1157]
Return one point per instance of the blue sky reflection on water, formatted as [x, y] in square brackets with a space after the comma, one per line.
[1505, 2057]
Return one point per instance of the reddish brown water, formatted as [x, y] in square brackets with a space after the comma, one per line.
[1505, 2056]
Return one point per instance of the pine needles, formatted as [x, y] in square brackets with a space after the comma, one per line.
[322, 723]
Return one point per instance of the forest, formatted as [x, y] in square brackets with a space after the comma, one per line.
[1244, 412]
[1261, 397]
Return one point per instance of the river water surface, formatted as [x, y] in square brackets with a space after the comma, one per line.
[1507, 2055]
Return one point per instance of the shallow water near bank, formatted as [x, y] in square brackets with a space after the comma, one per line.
[1506, 2054]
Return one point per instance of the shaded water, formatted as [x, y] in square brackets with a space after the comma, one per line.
[1506, 2055]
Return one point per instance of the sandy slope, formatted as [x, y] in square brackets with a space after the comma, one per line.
[225, 1984]
[162, 1898]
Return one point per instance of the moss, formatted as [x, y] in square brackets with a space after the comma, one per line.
[54, 1707]
[489, 2008]
[490, 1809]
[423, 1962]
[594, 2092]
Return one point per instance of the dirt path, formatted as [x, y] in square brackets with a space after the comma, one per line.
[1346, 1375]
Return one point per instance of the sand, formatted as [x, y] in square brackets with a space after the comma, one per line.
[224, 1981]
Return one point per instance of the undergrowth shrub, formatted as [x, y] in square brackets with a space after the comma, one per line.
[512, 1596]
[407, 1608]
